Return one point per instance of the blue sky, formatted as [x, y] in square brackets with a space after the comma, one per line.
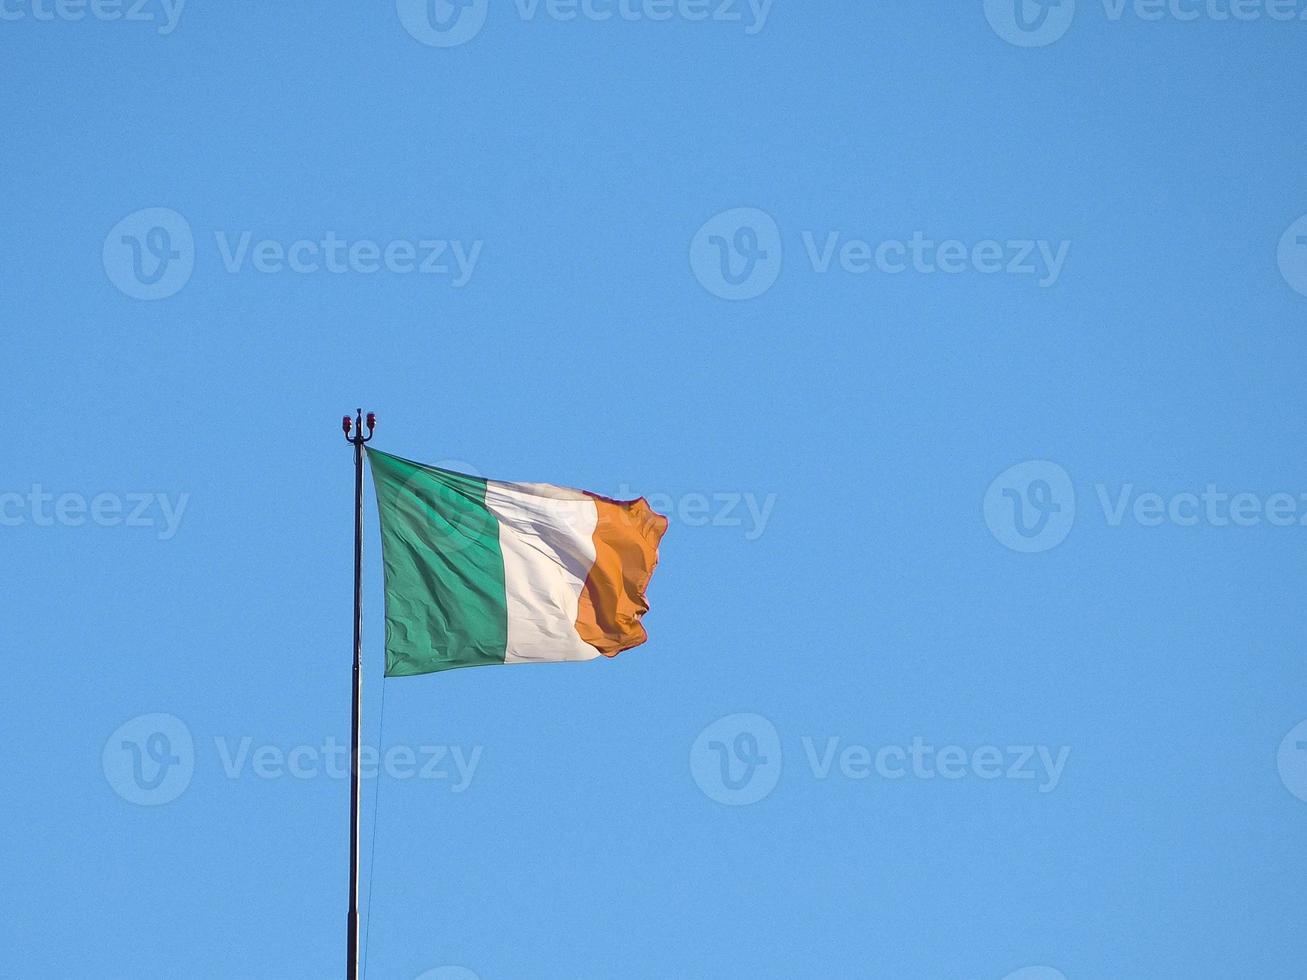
[959, 342]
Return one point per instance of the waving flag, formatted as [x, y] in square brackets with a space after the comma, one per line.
[486, 572]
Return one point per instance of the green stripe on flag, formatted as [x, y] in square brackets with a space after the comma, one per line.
[445, 604]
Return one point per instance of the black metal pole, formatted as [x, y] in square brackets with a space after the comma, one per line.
[352, 929]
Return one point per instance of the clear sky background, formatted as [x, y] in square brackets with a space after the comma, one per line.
[893, 592]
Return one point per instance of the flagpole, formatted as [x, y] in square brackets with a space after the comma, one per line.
[352, 928]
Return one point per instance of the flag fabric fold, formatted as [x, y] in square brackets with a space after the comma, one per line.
[488, 572]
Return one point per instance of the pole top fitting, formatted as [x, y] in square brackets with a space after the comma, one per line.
[353, 428]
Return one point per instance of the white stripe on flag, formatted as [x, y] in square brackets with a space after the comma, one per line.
[546, 535]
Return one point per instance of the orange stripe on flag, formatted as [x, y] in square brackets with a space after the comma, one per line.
[612, 600]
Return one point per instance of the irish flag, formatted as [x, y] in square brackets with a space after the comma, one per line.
[486, 572]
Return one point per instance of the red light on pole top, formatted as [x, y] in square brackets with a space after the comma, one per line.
[372, 421]
[346, 424]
